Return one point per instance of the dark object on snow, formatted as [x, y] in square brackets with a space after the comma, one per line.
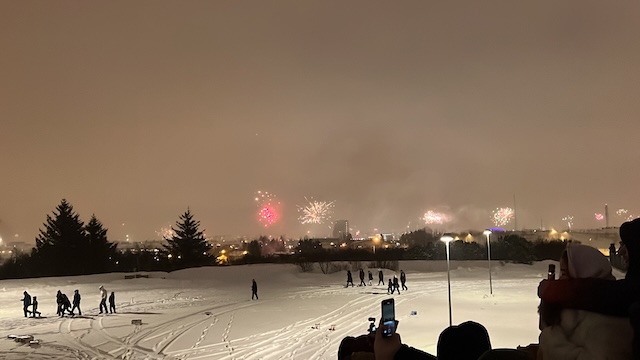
[34, 310]
[403, 280]
[380, 277]
[473, 335]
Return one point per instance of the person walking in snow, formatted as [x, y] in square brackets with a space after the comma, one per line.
[362, 283]
[60, 303]
[26, 302]
[254, 289]
[76, 302]
[349, 278]
[103, 299]
[370, 278]
[34, 310]
[112, 303]
[380, 277]
[403, 280]
[390, 287]
[396, 285]
[66, 305]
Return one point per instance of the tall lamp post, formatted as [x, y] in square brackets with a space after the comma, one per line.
[488, 233]
[447, 239]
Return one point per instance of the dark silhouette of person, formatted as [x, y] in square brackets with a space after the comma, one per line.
[254, 289]
[103, 299]
[60, 303]
[403, 280]
[380, 277]
[26, 302]
[390, 287]
[362, 283]
[370, 278]
[349, 278]
[66, 305]
[76, 302]
[112, 303]
[35, 307]
[396, 285]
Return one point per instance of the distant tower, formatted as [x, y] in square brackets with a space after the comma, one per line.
[606, 215]
[341, 229]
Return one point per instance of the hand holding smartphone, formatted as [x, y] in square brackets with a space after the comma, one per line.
[388, 317]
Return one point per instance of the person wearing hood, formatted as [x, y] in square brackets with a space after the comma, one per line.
[578, 334]
[617, 298]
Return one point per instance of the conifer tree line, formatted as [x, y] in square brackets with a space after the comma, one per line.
[66, 245]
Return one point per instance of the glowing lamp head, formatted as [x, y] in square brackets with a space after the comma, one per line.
[446, 238]
[487, 232]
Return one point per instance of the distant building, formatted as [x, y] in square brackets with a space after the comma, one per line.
[340, 229]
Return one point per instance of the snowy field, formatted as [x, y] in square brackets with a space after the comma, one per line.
[207, 313]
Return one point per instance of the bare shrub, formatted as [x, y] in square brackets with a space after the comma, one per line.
[325, 266]
[336, 267]
[305, 266]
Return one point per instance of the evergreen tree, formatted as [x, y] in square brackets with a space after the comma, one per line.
[187, 246]
[101, 253]
[61, 244]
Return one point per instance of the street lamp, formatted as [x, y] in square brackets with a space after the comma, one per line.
[488, 233]
[447, 239]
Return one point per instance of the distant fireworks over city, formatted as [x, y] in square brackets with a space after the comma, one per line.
[432, 217]
[315, 212]
[268, 208]
[569, 220]
[502, 216]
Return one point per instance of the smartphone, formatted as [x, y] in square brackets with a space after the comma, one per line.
[388, 317]
[552, 272]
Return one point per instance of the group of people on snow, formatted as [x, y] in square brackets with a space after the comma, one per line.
[584, 314]
[65, 306]
[393, 284]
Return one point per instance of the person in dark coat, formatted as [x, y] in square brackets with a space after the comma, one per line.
[396, 285]
[380, 277]
[76, 302]
[349, 278]
[112, 303]
[390, 287]
[403, 280]
[26, 302]
[60, 303]
[254, 289]
[362, 283]
[370, 278]
[66, 305]
[34, 310]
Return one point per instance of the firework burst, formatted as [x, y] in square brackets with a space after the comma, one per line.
[166, 232]
[502, 216]
[432, 217]
[599, 217]
[315, 212]
[569, 220]
[268, 207]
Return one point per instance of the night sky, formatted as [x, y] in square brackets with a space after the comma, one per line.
[137, 110]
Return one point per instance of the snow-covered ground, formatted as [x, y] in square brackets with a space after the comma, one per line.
[207, 313]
